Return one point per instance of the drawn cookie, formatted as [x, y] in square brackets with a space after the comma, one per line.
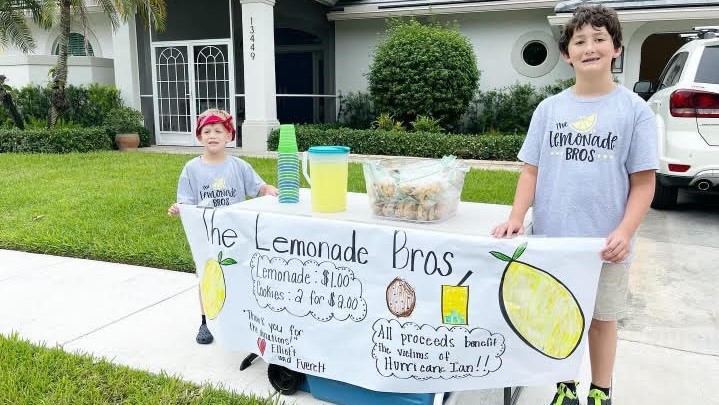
[400, 298]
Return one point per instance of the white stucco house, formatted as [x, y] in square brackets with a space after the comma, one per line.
[271, 61]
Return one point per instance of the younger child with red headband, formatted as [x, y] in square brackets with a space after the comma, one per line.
[215, 178]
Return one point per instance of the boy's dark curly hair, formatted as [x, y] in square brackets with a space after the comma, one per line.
[597, 15]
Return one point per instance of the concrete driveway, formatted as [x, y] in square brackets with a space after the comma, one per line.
[675, 276]
[672, 333]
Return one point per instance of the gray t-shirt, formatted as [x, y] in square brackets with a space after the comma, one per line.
[585, 148]
[217, 184]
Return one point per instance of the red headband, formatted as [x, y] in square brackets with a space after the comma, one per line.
[215, 119]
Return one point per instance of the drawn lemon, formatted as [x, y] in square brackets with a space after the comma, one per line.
[212, 285]
[218, 183]
[539, 308]
[585, 123]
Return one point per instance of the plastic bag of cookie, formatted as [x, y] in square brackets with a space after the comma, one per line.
[426, 190]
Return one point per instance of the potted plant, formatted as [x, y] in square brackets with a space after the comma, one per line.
[124, 123]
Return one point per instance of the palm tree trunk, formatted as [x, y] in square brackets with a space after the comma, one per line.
[59, 102]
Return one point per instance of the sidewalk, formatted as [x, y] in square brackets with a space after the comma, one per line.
[144, 318]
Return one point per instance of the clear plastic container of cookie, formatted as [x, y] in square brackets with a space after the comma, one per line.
[417, 191]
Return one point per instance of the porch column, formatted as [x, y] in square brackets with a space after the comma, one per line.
[258, 54]
[127, 72]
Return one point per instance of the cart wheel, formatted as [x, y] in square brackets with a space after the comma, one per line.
[247, 361]
[283, 379]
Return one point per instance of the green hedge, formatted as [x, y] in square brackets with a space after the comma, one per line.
[60, 140]
[422, 144]
[88, 105]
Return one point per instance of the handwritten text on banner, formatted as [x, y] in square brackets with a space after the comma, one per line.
[391, 308]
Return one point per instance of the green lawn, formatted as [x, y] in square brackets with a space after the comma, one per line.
[31, 374]
[113, 206]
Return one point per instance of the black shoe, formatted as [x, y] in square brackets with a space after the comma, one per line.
[597, 397]
[204, 337]
[565, 396]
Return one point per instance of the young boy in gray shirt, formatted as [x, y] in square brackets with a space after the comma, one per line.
[589, 161]
[216, 179]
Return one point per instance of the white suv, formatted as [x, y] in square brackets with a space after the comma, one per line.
[686, 103]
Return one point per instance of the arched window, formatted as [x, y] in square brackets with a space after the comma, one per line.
[77, 46]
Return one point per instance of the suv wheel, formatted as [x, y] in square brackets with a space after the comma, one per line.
[664, 196]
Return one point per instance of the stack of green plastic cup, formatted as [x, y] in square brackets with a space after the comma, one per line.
[288, 166]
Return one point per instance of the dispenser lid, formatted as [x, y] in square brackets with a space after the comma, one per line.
[329, 150]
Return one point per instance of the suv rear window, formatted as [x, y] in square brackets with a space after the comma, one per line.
[673, 70]
[708, 70]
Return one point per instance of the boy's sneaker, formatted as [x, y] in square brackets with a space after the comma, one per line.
[597, 397]
[565, 396]
[204, 337]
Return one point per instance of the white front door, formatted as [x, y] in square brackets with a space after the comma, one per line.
[190, 77]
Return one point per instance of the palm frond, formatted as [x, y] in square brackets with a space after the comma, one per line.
[154, 11]
[14, 30]
[151, 11]
[47, 14]
[109, 8]
[79, 11]
[32, 7]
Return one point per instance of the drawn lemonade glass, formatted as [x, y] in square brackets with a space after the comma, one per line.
[455, 302]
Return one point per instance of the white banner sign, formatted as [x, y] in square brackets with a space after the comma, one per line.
[391, 308]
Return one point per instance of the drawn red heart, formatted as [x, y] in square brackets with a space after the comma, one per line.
[261, 344]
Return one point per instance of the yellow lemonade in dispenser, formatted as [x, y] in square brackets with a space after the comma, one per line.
[329, 187]
[328, 182]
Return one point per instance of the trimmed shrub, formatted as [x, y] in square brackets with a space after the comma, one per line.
[421, 144]
[99, 100]
[422, 69]
[144, 137]
[123, 120]
[356, 110]
[386, 122]
[426, 124]
[57, 140]
[558, 86]
[33, 101]
[509, 109]
[88, 105]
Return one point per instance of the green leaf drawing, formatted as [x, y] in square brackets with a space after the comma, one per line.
[228, 261]
[519, 251]
[501, 256]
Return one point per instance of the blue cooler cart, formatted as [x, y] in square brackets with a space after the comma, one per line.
[342, 393]
[288, 382]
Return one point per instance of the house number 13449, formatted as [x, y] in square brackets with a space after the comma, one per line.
[252, 38]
